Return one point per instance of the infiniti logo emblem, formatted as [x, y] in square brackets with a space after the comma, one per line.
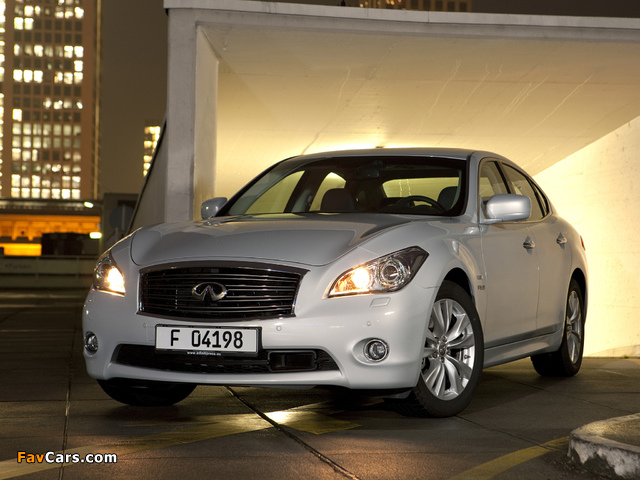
[214, 291]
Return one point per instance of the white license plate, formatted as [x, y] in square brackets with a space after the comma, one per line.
[207, 339]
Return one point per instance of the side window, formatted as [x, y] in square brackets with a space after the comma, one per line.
[491, 181]
[544, 202]
[522, 186]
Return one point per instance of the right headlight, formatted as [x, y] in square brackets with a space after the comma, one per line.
[385, 274]
[107, 276]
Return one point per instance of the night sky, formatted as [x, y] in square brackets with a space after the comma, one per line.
[134, 87]
[134, 71]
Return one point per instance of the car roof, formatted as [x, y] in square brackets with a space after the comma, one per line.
[453, 153]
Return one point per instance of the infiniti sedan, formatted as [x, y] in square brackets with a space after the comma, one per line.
[399, 272]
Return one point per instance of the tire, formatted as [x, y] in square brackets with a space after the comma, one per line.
[146, 393]
[566, 361]
[452, 360]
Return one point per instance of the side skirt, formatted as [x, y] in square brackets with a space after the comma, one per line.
[521, 349]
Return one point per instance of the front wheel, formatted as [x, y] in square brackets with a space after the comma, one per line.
[566, 361]
[146, 393]
[452, 357]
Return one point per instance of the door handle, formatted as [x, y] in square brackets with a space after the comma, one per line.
[561, 240]
[529, 244]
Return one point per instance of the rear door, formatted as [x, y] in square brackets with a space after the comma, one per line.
[554, 255]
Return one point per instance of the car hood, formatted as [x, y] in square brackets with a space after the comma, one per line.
[309, 239]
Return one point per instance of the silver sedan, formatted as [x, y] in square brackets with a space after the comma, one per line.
[401, 272]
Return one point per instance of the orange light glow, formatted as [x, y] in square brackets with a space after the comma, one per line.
[22, 249]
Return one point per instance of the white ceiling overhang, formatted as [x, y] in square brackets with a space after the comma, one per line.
[300, 78]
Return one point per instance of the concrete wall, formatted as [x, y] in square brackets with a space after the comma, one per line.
[598, 190]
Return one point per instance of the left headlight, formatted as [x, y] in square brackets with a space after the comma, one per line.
[107, 276]
[385, 274]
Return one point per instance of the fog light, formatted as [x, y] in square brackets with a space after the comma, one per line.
[91, 343]
[376, 350]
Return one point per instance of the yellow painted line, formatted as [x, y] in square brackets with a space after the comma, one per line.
[214, 426]
[495, 467]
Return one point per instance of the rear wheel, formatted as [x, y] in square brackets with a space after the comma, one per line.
[566, 361]
[146, 393]
[452, 357]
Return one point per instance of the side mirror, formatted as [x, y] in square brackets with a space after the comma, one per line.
[507, 208]
[211, 207]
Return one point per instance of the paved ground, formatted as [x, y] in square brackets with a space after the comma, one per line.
[516, 428]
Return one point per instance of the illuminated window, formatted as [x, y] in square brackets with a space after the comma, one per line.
[17, 114]
[17, 75]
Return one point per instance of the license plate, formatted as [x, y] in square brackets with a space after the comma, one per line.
[207, 339]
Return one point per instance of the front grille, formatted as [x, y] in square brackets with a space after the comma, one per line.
[267, 361]
[250, 292]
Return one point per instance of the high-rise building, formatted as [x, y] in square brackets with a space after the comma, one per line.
[47, 99]
[151, 137]
[434, 5]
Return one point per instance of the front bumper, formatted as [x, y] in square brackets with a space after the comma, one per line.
[335, 329]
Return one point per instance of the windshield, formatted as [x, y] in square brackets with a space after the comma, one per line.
[404, 185]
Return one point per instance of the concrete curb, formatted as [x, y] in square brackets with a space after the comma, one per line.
[609, 447]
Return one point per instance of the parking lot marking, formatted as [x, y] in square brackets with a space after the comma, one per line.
[488, 470]
[207, 427]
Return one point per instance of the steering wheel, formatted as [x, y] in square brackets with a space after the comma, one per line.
[406, 202]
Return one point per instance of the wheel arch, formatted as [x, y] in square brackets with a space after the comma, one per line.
[579, 276]
[459, 276]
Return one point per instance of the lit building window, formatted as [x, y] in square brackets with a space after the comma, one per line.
[151, 137]
[17, 114]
